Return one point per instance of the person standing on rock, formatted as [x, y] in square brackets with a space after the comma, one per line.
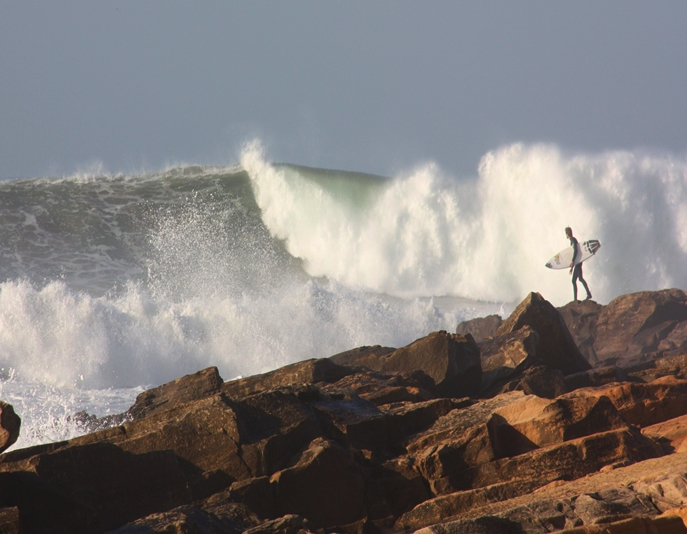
[576, 270]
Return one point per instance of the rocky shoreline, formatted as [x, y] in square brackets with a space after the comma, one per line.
[566, 420]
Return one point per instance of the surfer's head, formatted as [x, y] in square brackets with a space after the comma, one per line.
[568, 232]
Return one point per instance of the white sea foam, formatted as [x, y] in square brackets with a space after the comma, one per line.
[488, 238]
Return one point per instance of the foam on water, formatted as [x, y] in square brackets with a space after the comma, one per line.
[487, 238]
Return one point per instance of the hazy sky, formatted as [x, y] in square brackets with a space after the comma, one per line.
[357, 85]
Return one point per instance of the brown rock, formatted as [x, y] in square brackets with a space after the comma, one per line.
[349, 357]
[675, 365]
[645, 404]
[92, 488]
[452, 361]
[188, 388]
[556, 347]
[496, 484]
[305, 372]
[275, 425]
[504, 356]
[671, 434]
[533, 422]
[289, 524]
[10, 423]
[480, 328]
[581, 317]
[540, 381]
[633, 326]
[381, 389]
[595, 377]
[325, 486]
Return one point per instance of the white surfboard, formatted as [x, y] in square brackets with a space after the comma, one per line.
[564, 257]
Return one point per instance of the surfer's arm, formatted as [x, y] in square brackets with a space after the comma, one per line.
[573, 244]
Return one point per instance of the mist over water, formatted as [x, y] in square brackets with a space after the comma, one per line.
[112, 284]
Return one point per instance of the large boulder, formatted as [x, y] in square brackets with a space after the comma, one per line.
[452, 361]
[534, 422]
[10, 423]
[581, 317]
[504, 356]
[556, 347]
[185, 389]
[631, 328]
[325, 485]
[540, 380]
[306, 372]
[644, 404]
[480, 328]
[91, 488]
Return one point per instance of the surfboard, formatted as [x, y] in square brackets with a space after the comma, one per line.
[564, 257]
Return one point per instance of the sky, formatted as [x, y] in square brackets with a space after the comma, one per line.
[370, 86]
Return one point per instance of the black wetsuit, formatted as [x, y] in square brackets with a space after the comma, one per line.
[577, 271]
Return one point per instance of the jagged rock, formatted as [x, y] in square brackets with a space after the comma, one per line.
[326, 486]
[91, 488]
[595, 378]
[185, 389]
[556, 347]
[504, 356]
[525, 473]
[667, 366]
[452, 361]
[645, 404]
[10, 423]
[350, 356]
[533, 422]
[289, 524]
[353, 421]
[581, 317]
[671, 434]
[204, 435]
[305, 372]
[633, 326]
[381, 389]
[224, 518]
[274, 426]
[480, 328]
[540, 380]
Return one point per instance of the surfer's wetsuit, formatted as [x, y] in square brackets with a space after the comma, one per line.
[577, 271]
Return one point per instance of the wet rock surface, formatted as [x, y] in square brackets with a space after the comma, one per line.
[570, 420]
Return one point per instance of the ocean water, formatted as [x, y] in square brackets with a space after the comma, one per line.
[110, 284]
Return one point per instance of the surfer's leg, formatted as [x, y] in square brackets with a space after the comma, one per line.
[574, 283]
[584, 283]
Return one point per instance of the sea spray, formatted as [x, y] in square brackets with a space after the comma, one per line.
[487, 238]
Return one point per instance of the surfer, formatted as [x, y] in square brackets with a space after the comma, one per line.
[576, 270]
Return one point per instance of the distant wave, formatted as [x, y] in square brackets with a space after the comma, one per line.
[424, 232]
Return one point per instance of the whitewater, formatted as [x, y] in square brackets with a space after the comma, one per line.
[114, 283]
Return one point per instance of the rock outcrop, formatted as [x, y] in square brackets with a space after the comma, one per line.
[515, 434]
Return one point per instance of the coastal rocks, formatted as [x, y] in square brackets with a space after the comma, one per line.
[556, 347]
[325, 485]
[631, 329]
[305, 372]
[504, 356]
[443, 435]
[452, 361]
[533, 422]
[480, 328]
[186, 389]
[10, 424]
